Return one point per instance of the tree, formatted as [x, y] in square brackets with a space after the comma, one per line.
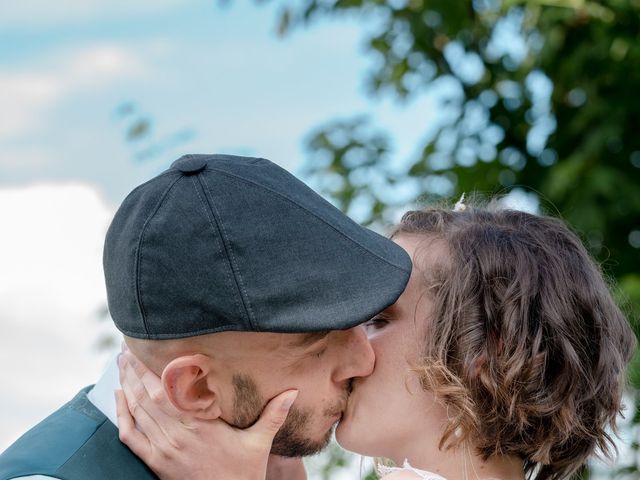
[540, 95]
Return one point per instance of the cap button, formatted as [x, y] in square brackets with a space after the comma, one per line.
[191, 164]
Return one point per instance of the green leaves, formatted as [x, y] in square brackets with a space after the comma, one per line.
[574, 145]
[581, 165]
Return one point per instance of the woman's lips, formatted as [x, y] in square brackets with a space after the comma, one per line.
[349, 408]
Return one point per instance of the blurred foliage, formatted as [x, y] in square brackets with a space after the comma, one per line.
[538, 95]
[324, 465]
[140, 135]
[333, 462]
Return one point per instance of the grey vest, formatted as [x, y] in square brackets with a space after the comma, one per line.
[77, 442]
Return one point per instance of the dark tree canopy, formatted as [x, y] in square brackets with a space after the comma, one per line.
[538, 95]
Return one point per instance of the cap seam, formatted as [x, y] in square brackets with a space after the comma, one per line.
[143, 231]
[217, 223]
[195, 333]
[308, 212]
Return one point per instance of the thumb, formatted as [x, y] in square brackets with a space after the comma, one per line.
[274, 415]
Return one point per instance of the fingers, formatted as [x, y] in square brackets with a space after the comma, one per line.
[151, 382]
[139, 368]
[274, 415]
[128, 433]
[143, 409]
[143, 388]
[133, 389]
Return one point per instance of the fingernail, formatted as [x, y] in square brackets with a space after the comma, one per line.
[289, 399]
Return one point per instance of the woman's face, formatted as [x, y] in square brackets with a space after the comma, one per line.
[388, 411]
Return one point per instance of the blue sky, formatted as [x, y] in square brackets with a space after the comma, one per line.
[220, 71]
[65, 67]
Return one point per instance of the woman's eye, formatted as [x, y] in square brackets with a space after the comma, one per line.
[376, 323]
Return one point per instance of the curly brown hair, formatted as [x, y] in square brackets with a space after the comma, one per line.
[526, 344]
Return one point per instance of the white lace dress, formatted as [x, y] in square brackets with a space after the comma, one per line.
[384, 470]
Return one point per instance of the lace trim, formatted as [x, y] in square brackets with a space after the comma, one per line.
[384, 470]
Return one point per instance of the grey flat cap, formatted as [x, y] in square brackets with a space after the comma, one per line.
[220, 242]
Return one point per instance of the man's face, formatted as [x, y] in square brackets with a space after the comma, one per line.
[319, 365]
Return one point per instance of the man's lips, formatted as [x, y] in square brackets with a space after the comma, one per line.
[351, 400]
[339, 409]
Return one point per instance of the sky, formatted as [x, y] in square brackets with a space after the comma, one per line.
[219, 73]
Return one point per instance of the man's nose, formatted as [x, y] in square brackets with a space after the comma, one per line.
[358, 357]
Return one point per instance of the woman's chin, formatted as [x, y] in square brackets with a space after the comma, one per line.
[361, 438]
[348, 438]
[342, 431]
[342, 436]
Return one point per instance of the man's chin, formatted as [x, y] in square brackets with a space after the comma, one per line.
[288, 443]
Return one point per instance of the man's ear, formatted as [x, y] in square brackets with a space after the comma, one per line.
[187, 383]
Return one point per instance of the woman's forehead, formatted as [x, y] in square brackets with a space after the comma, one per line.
[427, 251]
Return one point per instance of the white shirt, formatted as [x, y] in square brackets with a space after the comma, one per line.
[423, 474]
[102, 397]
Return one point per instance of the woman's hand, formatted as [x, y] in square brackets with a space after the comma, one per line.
[176, 445]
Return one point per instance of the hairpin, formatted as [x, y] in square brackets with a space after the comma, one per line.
[460, 206]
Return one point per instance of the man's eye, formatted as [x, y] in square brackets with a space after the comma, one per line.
[320, 352]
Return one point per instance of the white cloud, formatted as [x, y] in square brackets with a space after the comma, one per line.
[25, 156]
[40, 13]
[51, 286]
[24, 96]
[100, 64]
[51, 243]
[28, 95]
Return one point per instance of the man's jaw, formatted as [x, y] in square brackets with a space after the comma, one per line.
[291, 440]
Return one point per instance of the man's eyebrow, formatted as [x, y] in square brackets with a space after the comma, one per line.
[309, 338]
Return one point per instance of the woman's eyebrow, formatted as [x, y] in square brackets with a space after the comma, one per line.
[386, 313]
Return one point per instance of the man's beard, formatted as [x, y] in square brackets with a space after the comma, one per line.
[290, 441]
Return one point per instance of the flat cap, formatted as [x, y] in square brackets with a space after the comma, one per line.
[227, 243]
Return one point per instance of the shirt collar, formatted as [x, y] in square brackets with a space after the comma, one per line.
[102, 394]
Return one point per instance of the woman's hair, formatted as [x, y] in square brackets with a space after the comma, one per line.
[525, 346]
